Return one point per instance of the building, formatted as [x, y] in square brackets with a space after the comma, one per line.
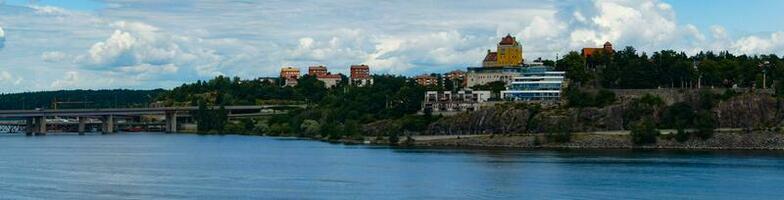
[454, 101]
[509, 52]
[317, 70]
[484, 75]
[502, 65]
[360, 75]
[536, 83]
[426, 80]
[456, 78]
[330, 80]
[607, 49]
[289, 76]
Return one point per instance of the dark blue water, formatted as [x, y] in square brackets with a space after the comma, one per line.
[158, 166]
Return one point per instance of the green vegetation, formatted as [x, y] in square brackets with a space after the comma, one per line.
[628, 69]
[333, 113]
[78, 99]
[580, 99]
[560, 132]
[644, 132]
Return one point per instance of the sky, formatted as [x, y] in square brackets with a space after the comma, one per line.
[146, 44]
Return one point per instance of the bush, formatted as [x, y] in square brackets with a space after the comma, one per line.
[644, 132]
[310, 127]
[559, 132]
[604, 98]
[682, 136]
[393, 139]
[705, 124]
[678, 116]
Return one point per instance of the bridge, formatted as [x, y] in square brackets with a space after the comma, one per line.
[36, 121]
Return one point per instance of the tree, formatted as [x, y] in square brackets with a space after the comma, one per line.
[310, 127]
[604, 98]
[705, 123]
[644, 132]
[574, 65]
[679, 116]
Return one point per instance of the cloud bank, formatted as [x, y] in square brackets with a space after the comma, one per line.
[152, 44]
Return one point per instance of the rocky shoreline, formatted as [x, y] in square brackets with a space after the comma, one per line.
[720, 141]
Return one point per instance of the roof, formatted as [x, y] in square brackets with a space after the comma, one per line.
[318, 67]
[457, 71]
[591, 51]
[508, 40]
[359, 66]
[491, 56]
[289, 69]
[607, 43]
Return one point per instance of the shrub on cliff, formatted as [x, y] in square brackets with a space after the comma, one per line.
[678, 116]
[641, 108]
[705, 123]
[559, 132]
[644, 132]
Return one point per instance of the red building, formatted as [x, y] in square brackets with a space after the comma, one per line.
[426, 80]
[360, 75]
[317, 70]
[607, 49]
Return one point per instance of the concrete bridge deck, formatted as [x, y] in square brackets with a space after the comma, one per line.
[36, 120]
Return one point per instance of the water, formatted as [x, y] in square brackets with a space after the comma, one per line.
[159, 166]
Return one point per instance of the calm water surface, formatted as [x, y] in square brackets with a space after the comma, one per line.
[158, 166]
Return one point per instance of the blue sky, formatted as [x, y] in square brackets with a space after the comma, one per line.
[142, 44]
[736, 15]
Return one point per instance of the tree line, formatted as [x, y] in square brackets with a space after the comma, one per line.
[629, 69]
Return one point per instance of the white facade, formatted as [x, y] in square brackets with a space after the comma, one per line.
[447, 101]
[536, 84]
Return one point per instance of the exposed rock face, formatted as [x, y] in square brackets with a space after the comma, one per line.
[502, 120]
[752, 110]
[496, 120]
[765, 140]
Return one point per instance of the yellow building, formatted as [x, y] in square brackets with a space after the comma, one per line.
[509, 53]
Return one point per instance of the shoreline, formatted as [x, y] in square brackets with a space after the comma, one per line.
[722, 141]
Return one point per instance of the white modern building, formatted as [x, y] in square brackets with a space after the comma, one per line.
[449, 101]
[535, 83]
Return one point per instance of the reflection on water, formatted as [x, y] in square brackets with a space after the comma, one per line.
[160, 166]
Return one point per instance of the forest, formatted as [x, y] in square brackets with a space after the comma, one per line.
[64, 99]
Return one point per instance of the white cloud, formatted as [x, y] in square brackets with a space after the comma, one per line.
[8, 78]
[773, 43]
[139, 48]
[54, 56]
[70, 79]
[151, 44]
[2, 38]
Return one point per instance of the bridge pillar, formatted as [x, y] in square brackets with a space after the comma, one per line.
[171, 122]
[82, 124]
[40, 126]
[29, 126]
[108, 124]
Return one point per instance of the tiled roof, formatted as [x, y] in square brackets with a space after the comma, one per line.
[491, 56]
[508, 40]
[359, 66]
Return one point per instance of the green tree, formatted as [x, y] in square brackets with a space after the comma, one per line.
[644, 132]
[310, 127]
[705, 123]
